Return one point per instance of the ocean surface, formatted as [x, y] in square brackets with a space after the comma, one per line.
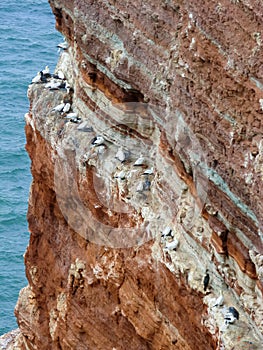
[28, 42]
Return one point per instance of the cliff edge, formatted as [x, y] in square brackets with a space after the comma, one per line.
[146, 200]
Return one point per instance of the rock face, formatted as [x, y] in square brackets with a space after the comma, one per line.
[158, 183]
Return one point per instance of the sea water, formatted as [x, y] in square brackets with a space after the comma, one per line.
[28, 42]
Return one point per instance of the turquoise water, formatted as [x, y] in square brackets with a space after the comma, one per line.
[27, 44]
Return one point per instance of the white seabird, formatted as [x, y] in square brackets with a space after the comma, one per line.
[220, 300]
[71, 115]
[61, 75]
[97, 141]
[167, 232]
[120, 155]
[46, 70]
[171, 245]
[37, 78]
[75, 120]
[66, 108]
[59, 108]
[64, 45]
[229, 318]
[148, 171]
[121, 175]
[140, 161]
[84, 126]
[52, 84]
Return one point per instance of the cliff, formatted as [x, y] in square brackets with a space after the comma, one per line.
[157, 184]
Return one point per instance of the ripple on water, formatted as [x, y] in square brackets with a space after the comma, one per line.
[27, 44]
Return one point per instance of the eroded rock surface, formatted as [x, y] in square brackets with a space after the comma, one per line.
[125, 227]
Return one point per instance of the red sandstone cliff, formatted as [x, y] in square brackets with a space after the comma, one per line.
[180, 83]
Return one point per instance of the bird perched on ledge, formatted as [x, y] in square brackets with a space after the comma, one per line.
[148, 172]
[234, 312]
[171, 246]
[64, 45]
[121, 155]
[71, 115]
[97, 141]
[167, 232]
[140, 161]
[59, 75]
[76, 120]
[220, 300]
[39, 78]
[55, 85]
[59, 108]
[231, 316]
[46, 72]
[206, 280]
[66, 107]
